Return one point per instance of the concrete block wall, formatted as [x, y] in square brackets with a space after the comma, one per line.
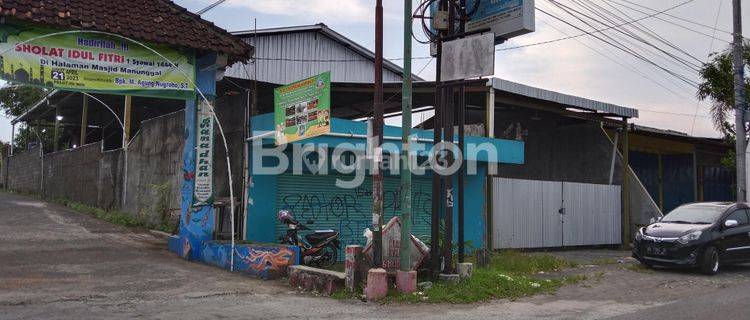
[73, 174]
[154, 160]
[97, 178]
[110, 179]
[24, 169]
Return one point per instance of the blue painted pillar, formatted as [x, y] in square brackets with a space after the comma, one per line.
[196, 221]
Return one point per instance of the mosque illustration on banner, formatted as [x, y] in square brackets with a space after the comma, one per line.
[21, 75]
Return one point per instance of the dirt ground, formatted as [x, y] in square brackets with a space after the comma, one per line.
[59, 264]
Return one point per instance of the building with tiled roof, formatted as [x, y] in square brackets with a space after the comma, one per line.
[158, 21]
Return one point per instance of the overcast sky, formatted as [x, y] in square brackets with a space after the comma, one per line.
[582, 66]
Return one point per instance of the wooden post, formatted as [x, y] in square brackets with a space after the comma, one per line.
[127, 116]
[625, 185]
[84, 119]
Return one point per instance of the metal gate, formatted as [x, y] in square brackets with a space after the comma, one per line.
[543, 214]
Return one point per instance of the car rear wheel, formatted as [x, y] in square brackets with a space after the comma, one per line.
[710, 263]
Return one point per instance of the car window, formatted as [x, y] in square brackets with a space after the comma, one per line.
[695, 214]
[740, 216]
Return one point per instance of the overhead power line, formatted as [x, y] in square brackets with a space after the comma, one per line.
[211, 6]
[675, 113]
[595, 31]
[714, 28]
[621, 62]
[712, 36]
[639, 27]
[710, 48]
[610, 17]
[621, 47]
[580, 17]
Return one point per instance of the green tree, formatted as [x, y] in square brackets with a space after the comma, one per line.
[717, 84]
[15, 99]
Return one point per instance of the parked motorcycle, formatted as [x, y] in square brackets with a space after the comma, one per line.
[319, 248]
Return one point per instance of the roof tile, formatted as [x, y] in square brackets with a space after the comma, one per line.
[160, 21]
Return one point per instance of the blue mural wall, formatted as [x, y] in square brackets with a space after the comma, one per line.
[265, 261]
[196, 223]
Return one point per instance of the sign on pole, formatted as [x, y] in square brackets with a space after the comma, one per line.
[91, 62]
[392, 245]
[203, 192]
[469, 57]
[303, 109]
[506, 18]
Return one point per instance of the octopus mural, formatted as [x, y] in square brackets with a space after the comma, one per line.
[264, 262]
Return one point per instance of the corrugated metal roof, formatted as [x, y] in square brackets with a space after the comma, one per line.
[565, 99]
[297, 52]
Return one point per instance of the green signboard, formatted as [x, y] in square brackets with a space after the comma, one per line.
[303, 109]
[91, 62]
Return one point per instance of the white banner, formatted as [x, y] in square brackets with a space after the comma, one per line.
[203, 191]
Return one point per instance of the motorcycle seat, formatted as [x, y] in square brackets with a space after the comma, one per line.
[320, 236]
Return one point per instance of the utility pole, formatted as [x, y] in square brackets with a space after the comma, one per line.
[405, 255]
[436, 179]
[739, 101]
[377, 130]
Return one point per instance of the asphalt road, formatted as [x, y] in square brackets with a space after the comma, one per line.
[59, 264]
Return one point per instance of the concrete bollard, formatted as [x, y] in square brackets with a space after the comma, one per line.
[484, 258]
[465, 270]
[449, 278]
[377, 284]
[294, 278]
[308, 282]
[351, 267]
[406, 281]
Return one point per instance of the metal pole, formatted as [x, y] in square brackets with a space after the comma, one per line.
[405, 261]
[448, 195]
[12, 137]
[377, 181]
[84, 119]
[57, 128]
[461, 172]
[127, 119]
[436, 181]
[490, 133]
[41, 161]
[449, 108]
[739, 100]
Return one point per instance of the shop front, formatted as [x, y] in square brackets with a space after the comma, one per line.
[327, 181]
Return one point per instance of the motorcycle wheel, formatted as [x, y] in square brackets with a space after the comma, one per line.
[328, 256]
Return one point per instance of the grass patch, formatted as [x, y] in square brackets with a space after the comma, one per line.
[115, 217]
[637, 267]
[511, 275]
[111, 216]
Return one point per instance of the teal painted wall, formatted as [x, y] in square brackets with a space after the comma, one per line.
[349, 210]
